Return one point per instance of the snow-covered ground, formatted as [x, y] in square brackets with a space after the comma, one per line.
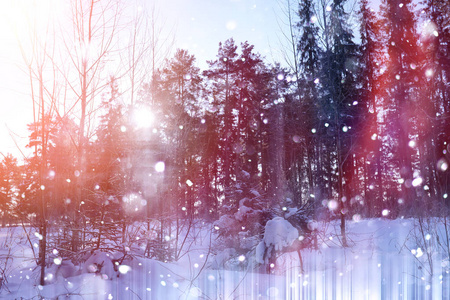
[387, 259]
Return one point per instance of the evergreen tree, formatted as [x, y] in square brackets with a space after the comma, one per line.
[225, 94]
[253, 90]
[275, 168]
[339, 71]
[112, 193]
[178, 93]
[371, 57]
[10, 179]
[401, 78]
[308, 106]
[436, 41]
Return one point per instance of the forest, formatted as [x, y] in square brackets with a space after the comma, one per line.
[354, 124]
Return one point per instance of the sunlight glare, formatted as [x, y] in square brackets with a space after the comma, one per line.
[143, 118]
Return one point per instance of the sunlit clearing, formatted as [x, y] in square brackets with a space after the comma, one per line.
[143, 118]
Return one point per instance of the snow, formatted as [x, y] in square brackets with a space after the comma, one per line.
[387, 259]
[279, 233]
[100, 263]
[260, 252]
[243, 212]
[290, 212]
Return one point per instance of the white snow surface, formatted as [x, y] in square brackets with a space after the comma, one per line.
[279, 233]
[387, 259]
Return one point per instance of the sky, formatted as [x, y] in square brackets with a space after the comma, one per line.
[202, 24]
[13, 84]
[198, 25]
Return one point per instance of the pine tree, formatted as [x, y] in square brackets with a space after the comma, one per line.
[308, 107]
[274, 158]
[371, 56]
[400, 106]
[436, 41]
[10, 178]
[178, 92]
[225, 94]
[339, 71]
[177, 95]
[208, 139]
[111, 187]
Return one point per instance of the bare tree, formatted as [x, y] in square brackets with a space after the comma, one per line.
[89, 42]
[149, 43]
[41, 46]
[95, 43]
[70, 63]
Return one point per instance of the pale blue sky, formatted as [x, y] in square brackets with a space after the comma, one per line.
[202, 24]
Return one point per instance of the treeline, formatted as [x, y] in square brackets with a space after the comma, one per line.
[357, 126]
